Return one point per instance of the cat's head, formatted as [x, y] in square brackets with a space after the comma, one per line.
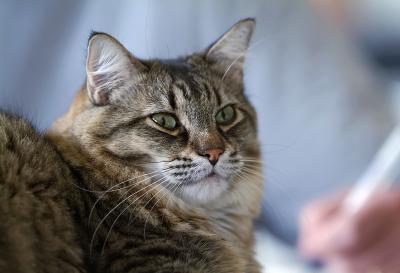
[186, 121]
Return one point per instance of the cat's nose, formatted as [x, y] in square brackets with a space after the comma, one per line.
[213, 155]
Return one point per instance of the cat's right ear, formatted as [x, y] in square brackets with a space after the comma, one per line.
[109, 68]
[227, 54]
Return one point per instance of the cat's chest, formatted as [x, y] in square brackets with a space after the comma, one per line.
[233, 227]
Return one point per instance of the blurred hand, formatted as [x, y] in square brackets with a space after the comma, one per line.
[364, 242]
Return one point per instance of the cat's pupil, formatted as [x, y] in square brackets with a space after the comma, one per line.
[165, 120]
[223, 115]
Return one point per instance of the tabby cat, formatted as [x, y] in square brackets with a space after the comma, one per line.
[154, 168]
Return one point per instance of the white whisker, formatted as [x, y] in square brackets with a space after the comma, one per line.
[167, 191]
[153, 174]
[113, 209]
[155, 185]
[240, 56]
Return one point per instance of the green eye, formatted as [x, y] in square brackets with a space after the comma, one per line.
[226, 115]
[165, 120]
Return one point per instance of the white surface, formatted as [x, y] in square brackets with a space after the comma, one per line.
[276, 257]
[380, 173]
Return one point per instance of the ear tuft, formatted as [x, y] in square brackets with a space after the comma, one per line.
[229, 51]
[94, 33]
[109, 67]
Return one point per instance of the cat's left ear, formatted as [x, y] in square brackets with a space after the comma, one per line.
[228, 53]
[110, 69]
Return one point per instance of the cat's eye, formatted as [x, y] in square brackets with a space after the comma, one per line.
[165, 120]
[226, 115]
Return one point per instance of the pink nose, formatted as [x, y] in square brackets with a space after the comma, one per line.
[213, 155]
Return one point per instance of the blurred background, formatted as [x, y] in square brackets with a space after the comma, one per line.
[322, 74]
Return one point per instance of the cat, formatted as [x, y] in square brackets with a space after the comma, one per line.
[164, 160]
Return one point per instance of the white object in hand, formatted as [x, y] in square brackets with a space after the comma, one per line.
[379, 175]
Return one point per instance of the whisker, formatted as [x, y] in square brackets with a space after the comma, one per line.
[243, 175]
[251, 171]
[259, 169]
[242, 55]
[284, 191]
[155, 162]
[153, 174]
[251, 160]
[149, 212]
[113, 209]
[155, 185]
[171, 191]
[249, 177]
[267, 169]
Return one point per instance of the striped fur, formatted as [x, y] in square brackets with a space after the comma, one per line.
[38, 233]
[146, 198]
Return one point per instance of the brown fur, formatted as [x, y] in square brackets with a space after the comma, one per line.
[36, 224]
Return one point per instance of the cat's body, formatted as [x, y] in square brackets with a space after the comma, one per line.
[37, 230]
[161, 155]
[45, 210]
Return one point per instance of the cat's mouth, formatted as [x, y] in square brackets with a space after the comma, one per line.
[210, 178]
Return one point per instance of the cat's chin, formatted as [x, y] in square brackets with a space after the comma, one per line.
[204, 190]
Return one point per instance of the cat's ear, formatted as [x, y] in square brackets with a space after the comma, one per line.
[227, 54]
[109, 68]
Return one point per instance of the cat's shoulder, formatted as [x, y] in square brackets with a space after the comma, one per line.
[33, 204]
[26, 156]
[16, 130]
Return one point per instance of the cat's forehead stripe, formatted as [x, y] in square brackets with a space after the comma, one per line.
[172, 98]
[183, 88]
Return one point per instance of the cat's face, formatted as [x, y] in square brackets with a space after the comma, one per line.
[187, 122]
